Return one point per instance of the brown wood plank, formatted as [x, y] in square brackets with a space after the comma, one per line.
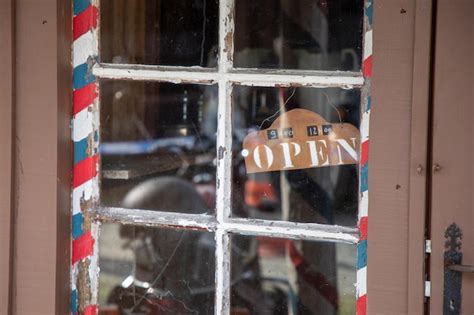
[43, 155]
[64, 156]
[453, 132]
[6, 153]
[418, 157]
[389, 157]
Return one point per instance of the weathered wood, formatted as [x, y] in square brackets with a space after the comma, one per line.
[6, 153]
[389, 157]
[249, 77]
[453, 132]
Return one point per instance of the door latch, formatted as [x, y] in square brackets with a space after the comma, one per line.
[453, 270]
[462, 268]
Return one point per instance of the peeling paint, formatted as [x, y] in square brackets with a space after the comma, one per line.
[83, 285]
[85, 126]
[86, 207]
[220, 153]
[361, 292]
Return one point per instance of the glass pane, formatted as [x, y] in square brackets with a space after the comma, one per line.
[299, 34]
[155, 271]
[278, 276]
[173, 33]
[158, 145]
[312, 183]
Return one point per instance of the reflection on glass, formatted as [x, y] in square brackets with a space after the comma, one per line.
[158, 145]
[278, 276]
[172, 33]
[299, 34]
[155, 271]
[326, 195]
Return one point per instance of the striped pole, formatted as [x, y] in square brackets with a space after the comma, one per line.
[361, 289]
[84, 271]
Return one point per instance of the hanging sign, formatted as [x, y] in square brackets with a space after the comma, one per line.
[300, 139]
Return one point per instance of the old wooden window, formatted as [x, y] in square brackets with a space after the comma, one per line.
[185, 229]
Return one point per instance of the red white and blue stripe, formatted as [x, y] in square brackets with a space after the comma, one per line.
[85, 138]
[361, 288]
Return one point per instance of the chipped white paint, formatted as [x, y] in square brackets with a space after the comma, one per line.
[164, 74]
[281, 229]
[242, 76]
[277, 78]
[157, 218]
[307, 231]
[94, 266]
[222, 273]
[226, 35]
[82, 192]
[224, 152]
[224, 158]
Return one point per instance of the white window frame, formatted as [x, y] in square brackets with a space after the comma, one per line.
[222, 225]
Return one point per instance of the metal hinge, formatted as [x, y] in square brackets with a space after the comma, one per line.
[428, 246]
[427, 288]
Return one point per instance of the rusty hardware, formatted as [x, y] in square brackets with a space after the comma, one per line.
[452, 270]
[436, 168]
[461, 268]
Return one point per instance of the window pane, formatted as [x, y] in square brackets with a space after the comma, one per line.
[299, 34]
[173, 33]
[278, 276]
[155, 271]
[158, 145]
[297, 171]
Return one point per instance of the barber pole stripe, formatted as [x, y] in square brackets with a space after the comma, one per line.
[84, 97]
[86, 161]
[84, 171]
[80, 5]
[85, 21]
[80, 150]
[363, 228]
[364, 152]
[83, 125]
[361, 286]
[77, 224]
[84, 48]
[90, 310]
[82, 247]
[362, 305]
[367, 62]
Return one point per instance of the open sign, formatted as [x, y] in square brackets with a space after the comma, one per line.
[300, 139]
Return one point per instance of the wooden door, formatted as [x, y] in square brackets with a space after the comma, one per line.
[452, 194]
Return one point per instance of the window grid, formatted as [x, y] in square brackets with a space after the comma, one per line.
[244, 226]
[226, 77]
[248, 77]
